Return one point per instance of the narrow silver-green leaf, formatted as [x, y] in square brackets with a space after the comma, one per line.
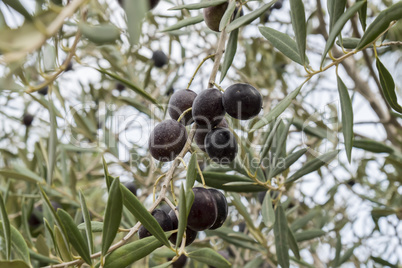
[301, 222]
[108, 178]
[5, 222]
[281, 237]
[87, 222]
[132, 252]
[346, 256]
[41, 258]
[182, 215]
[347, 117]
[130, 85]
[293, 244]
[242, 210]
[104, 33]
[339, 26]
[19, 7]
[135, 13]
[313, 165]
[372, 146]
[8, 173]
[269, 140]
[335, 10]
[18, 243]
[191, 171]
[309, 234]
[288, 161]
[218, 180]
[255, 262]
[277, 110]
[74, 235]
[383, 262]
[388, 86]
[299, 26]
[14, 264]
[235, 238]
[96, 226]
[230, 53]
[184, 23]
[141, 213]
[113, 213]
[363, 15]
[246, 19]
[380, 24]
[227, 15]
[349, 42]
[199, 5]
[267, 211]
[210, 257]
[282, 42]
[62, 247]
[338, 249]
[52, 147]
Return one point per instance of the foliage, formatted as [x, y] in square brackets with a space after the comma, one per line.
[311, 185]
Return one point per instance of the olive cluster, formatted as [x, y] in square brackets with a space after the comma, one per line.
[208, 211]
[241, 101]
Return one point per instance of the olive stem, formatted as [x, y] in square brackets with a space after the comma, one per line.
[200, 172]
[219, 87]
[183, 114]
[218, 56]
[198, 68]
[61, 68]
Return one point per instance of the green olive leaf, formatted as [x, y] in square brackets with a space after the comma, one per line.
[18, 244]
[230, 53]
[388, 86]
[313, 165]
[309, 234]
[14, 264]
[335, 10]
[338, 26]
[277, 110]
[218, 180]
[246, 19]
[135, 13]
[74, 235]
[281, 237]
[182, 215]
[87, 222]
[134, 205]
[293, 244]
[347, 117]
[104, 33]
[299, 27]
[380, 24]
[202, 4]
[5, 226]
[210, 257]
[282, 42]
[132, 252]
[113, 214]
[267, 211]
[184, 23]
[227, 15]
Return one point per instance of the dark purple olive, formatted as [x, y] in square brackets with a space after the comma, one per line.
[222, 205]
[162, 218]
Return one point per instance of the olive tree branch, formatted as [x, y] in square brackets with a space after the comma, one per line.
[62, 67]
[161, 197]
[218, 56]
[48, 32]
